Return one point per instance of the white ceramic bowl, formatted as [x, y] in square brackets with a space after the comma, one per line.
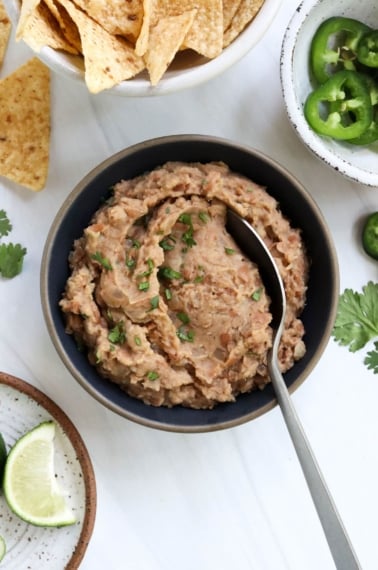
[357, 163]
[188, 70]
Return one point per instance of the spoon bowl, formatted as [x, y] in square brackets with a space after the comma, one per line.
[254, 247]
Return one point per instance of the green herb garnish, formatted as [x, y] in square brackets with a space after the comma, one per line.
[150, 265]
[204, 217]
[229, 250]
[185, 335]
[357, 322]
[184, 318]
[169, 273]
[135, 243]
[371, 359]
[168, 243]
[168, 294]
[256, 295]
[104, 261]
[11, 259]
[117, 334]
[154, 302]
[201, 275]
[137, 341]
[130, 262]
[144, 286]
[5, 225]
[187, 236]
[11, 255]
[152, 375]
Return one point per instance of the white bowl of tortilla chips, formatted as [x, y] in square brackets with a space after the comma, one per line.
[141, 47]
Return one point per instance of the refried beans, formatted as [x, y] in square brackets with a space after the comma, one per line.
[163, 300]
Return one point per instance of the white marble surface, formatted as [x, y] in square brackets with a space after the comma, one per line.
[231, 499]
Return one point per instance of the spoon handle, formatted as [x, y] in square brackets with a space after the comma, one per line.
[339, 543]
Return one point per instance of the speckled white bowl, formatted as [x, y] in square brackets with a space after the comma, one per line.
[357, 163]
[188, 70]
[30, 547]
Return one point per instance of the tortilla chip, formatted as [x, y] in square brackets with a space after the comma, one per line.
[66, 24]
[40, 29]
[245, 13]
[118, 17]
[28, 8]
[5, 30]
[229, 10]
[142, 41]
[25, 125]
[164, 42]
[205, 36]
[108, 59]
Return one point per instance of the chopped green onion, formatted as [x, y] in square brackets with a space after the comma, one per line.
[152, 375]
[168, 243]
[185, 335]
[154, 302]
[135, 243]
[104, 261]
[144, 286]
[201, 275]
[130, 262]
[169, 273]
[256, 295]
[229, 250]
[184, 318]
[150, 265]
[185, 219]
[117, 334]
[204, 217]
[187, 236]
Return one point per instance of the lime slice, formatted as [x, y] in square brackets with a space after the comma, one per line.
[3, 548]
[3, 458]
[30, 486]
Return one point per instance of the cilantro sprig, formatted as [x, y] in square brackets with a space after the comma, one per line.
[5, 225]
[357, 322]
[11, 255]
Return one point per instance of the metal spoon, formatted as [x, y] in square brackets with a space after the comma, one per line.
[253, 246]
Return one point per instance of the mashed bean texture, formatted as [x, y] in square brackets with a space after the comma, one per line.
[163, 300]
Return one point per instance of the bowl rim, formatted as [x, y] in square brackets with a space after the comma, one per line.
[47, 309]
[171, 82]
[294, 109]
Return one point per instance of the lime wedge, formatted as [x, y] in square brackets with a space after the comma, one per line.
[3, 548]
[3, 458]
[30, 486]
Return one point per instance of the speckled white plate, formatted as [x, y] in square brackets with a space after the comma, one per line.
[22, 407]
[356, 162]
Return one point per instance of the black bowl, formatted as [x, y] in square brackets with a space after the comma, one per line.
[75, 214]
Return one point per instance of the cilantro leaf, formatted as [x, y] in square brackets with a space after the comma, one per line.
[185, 335]
[104, 261]
[357, 317]
[152, 375]
[11, 259]
[5, 225]
[117, 334]
[154, 302]
[371, 359]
